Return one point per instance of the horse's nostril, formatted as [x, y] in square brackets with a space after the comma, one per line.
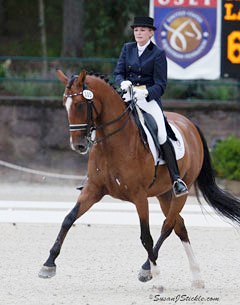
[80, 147]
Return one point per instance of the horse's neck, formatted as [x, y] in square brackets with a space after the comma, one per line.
[113, 109]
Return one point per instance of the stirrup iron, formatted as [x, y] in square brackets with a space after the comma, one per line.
[183, 192]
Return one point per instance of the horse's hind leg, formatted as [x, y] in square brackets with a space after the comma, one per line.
[182, 233]
[87, 198]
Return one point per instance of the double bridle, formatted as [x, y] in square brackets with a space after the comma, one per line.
[90, 126]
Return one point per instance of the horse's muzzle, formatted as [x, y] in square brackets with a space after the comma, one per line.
[81, 146]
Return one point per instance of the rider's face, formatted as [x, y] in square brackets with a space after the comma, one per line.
[142, 35]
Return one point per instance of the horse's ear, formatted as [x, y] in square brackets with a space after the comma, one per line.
[62, 77]
[81, 77]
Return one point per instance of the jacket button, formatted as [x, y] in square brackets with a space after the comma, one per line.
[139, 76]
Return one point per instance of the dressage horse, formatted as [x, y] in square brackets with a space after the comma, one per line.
[120, 165]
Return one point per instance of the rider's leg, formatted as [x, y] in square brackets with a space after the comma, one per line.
[152, 107]
[179, 187]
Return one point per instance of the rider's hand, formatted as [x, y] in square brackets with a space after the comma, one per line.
[140, 94]
[125, 85]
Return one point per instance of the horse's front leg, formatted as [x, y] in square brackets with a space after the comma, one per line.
[87, 198]
[146, 272]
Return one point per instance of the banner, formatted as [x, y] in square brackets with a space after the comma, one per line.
[189, 32]
[230, 57]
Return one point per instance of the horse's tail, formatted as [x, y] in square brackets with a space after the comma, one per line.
[223, 203]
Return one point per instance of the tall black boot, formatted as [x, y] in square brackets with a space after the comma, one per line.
[179, 187]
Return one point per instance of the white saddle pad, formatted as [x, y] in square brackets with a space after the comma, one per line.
[178, 145]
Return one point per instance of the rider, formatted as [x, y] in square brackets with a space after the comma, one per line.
[143, 65]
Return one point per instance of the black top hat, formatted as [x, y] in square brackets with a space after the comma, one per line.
[143, 22]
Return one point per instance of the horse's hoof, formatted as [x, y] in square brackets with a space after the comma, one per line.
[144, 275]
[199, 284]
[47, 272]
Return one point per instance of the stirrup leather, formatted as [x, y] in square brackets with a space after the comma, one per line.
[182, 192]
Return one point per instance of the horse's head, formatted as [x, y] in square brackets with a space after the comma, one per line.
[78, 101]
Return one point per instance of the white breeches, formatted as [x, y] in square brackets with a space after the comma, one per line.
[153, 108]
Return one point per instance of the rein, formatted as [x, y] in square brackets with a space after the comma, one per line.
[110, 123]
[90, 126]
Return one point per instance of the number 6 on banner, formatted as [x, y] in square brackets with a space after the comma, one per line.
[233, 49]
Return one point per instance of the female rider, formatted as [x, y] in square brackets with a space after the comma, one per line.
[143, 65]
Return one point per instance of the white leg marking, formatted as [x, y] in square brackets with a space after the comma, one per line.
[197, 281]
[154, 270]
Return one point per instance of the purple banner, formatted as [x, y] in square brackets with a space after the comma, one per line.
[186, 34]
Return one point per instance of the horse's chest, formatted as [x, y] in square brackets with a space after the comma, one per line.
[124, 184]
[118, 187]
[121, 176]
[116, 182]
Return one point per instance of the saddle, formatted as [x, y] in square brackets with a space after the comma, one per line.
[152, 127]
[149, 130]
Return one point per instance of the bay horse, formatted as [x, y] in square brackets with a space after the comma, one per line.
[121, 166]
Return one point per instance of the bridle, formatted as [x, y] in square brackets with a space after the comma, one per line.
[90, 127]
[88, 99]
